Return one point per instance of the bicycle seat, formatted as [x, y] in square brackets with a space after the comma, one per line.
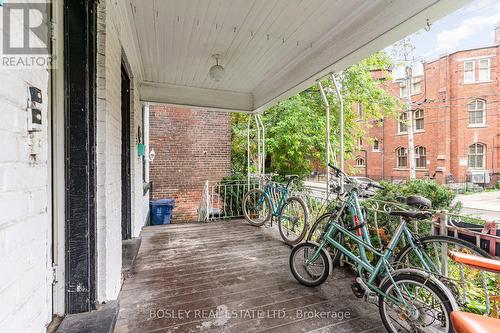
[464, 322]
[291, 177]
[418, 202]
[417, 215]
[481, 263]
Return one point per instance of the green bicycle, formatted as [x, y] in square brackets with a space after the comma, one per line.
[261, 205]
[409, 299]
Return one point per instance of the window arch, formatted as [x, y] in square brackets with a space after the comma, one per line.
[376, 145]
[476, 157]
[420, 157]
[401, 157]
[477, 112]
[360, 162]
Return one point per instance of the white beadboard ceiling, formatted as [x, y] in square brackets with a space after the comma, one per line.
[270, 49]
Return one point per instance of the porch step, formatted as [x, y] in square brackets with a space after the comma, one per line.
[99, 321]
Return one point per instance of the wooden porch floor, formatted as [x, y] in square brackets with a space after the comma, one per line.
[231, 277]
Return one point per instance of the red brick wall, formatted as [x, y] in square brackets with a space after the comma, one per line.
[447, 136]
[191, 146]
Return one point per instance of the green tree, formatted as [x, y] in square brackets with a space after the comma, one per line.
[295, 128]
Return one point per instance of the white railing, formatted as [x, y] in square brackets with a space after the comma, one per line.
[223, 200]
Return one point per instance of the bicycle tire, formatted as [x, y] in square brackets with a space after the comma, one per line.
[426, 283]
[245, 211]
[321, 222]
[301, 235]
[316, 280]
[428, 239]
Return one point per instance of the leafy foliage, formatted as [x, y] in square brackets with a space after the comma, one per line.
[440, 196]
[295, 128]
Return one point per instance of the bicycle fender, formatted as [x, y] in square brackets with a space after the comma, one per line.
[426, 275]
[330, 261]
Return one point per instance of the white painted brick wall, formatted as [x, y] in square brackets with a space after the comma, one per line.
[109, 153]
[25, 301]
[108, 159]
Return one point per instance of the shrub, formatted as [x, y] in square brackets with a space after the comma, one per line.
[440, 196]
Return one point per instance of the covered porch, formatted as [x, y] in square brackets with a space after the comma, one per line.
[228, 276]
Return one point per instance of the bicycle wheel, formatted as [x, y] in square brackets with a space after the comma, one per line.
[319, 229]
[308, 273]
[428, 308]
[292, 221]
[451, 273]
[256, 207]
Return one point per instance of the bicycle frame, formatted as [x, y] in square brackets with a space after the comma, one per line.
[267, 192]
[362, 238]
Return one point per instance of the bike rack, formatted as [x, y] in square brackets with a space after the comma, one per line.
[261, 146]
[329, 151]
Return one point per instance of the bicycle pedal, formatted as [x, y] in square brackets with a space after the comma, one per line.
[358, 290]
[371, 297]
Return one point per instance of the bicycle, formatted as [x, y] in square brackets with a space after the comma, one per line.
[464, 322]
[433, 248]
[408, 298]
[260, 206]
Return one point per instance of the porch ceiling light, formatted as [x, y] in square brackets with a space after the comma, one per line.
[216, 71]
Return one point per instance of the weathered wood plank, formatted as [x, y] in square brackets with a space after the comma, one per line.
[231, 277]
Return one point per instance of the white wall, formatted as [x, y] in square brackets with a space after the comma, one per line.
[109, 39]
[25, 185]
[25, 276]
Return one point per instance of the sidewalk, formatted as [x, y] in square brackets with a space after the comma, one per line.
[485, 204]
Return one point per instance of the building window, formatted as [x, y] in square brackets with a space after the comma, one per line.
[477, 156]
[403, 123]
[420, 158]
[468, 71]
[360, 162]
[417, 85]
[360, 142]
[401, 157]
[419, 120]
[484, 70]
[376, 145]
[477, 112]
[403, 93]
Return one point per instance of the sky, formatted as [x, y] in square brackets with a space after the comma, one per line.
[469, 27]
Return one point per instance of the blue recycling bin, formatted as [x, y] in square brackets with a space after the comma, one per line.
[161, 211]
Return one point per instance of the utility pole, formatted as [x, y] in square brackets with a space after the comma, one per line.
[411, 145]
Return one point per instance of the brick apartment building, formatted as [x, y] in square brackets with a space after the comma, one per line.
[455, 106]
[192, 146]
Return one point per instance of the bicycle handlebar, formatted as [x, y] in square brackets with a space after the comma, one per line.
[339, 172]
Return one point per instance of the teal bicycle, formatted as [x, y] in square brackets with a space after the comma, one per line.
[409, 299]
[261, 205]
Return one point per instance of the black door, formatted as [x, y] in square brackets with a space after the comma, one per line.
[126, 188]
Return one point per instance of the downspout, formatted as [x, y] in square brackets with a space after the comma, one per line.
[327, 107]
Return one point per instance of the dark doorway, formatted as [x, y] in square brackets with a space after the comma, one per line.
[80, 154]
[126, 187]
